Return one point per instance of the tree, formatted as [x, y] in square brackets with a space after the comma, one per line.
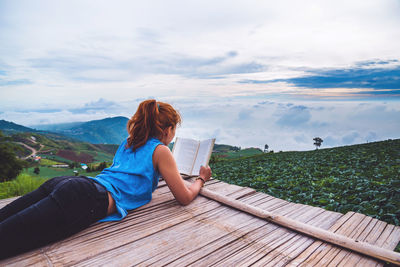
[36, 170]
[74, 165]
[102, 166]
[317, 142]
[89, 168]
[266, 148]
[10, 165]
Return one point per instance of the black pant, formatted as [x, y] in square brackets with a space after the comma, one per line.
[59, 208]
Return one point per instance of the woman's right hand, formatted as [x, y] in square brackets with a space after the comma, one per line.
[205, 173]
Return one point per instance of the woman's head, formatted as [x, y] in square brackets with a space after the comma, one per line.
[152, 119]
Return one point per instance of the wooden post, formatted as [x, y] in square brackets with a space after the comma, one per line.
[324, 235]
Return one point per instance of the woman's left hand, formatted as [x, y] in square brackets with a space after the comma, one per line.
[205, 173]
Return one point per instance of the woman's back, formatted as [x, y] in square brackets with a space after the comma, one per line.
[131, 179]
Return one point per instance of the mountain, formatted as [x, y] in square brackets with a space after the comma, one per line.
[57, 127]
[10, 127]
[104, 131]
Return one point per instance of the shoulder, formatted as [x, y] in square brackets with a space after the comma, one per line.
[161, 150]
[162, 156]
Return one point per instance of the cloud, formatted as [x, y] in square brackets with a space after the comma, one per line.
[244, 115]
[15, 82]
[371, 136]
[295, 116]
[95, 106]
[243, 121]
[350, 138]
[330, 141]
[377, 62]
[241, 72]
[376, 78]
[91, 67]
[44, 110]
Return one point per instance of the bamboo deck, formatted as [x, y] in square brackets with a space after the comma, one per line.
[208, 233]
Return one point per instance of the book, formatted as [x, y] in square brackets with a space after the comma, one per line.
[190, 154]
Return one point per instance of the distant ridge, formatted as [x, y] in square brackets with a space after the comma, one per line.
[104, 131]
[11, 127]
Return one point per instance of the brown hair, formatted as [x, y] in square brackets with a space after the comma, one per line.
[150, 120]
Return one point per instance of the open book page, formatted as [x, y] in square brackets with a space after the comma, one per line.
[184, 152]
[203, 155]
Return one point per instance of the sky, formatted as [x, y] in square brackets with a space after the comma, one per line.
[248, 73]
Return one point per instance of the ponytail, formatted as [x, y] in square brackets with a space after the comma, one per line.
[150, 120]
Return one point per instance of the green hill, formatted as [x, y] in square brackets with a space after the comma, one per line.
[9, 127]
[363, 178]
[63, 149]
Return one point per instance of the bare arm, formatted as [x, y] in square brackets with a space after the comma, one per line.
[165, 163]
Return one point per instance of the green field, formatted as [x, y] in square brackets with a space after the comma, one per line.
[49, 172]
[100, 156]
[48, 162]
[362, 178]
[20, 186]
[238, 154]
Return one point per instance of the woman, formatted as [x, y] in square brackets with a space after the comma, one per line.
[65, 205]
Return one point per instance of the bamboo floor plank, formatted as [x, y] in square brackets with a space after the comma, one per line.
[346, 229]
[224, 188]
[233, 249]
[261, 200]
[387, 234]
[373, 239]
[315, 247]
[386, 238]
[211, 252]
[326, 219]
[209, 233]
[230, 210]
[210, 182]
[390, 233]
[84, 236]
[273, 240]
[100, 226]
[311, 213]
[337, 254]
[89, 242]
[256, 199]
[246, 191]
[213, 241]
[297, 242]
[4, 202]
[351, 259]
[392, 242]
[64, 253]
[173, 242]
[227, 249]
[267, 244]
[327, 251]
[273, 205]
[27, 259]
[161, 204]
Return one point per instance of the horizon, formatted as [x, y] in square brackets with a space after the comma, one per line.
[245, 72]
[233, 145]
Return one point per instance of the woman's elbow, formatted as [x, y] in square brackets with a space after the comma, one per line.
[185, 201]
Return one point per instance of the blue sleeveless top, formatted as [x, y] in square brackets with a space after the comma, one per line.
[131, 179]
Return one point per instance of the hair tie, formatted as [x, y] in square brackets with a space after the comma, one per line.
[158, 107]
